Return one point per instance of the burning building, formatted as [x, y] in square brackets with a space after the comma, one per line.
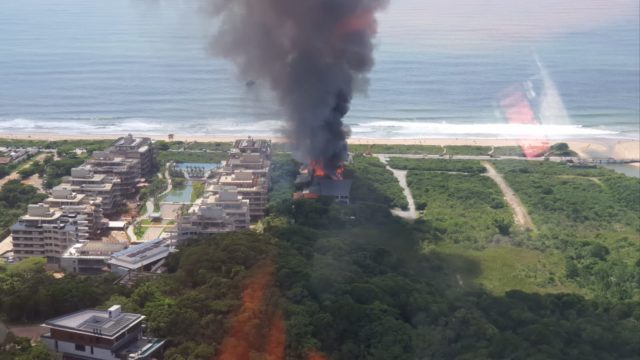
[313, 182]
[314, 55]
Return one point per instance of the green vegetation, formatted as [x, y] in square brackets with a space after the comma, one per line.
[467, 150]
[14, 198]
[193, 157]
[35, 167]
[445, 165]
[28, 293]
[63, 146]
[284, 170]
[561, 149]
[353, 282]
[20, 348]
[6, 170]
[397, 149]
[508, 151]
[157, 187]
[52, 170]
[139, 230]
[193, 305]
[373, 182]
[55, 170]
[504, 268]
[590, 216]
[197, 191]
[461, 208]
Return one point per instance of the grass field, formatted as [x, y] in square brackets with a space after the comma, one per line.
[504, 267]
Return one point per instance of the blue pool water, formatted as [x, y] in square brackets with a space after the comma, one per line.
[182, 195]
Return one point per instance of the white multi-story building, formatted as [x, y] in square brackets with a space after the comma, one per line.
[102, 335]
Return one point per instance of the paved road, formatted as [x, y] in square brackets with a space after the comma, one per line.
[401, 175]
[520, 213]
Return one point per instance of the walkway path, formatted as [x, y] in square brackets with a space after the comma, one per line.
[150, 207]
[401, 175]
[520, 213]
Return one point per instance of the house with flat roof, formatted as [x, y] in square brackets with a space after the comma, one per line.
[101, 334]
[142, 257]
[89, 257]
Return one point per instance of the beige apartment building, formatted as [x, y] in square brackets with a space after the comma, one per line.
[46, 232]
[216, 213]
[141, 149]
[128, 171]
[250, 186]
[84, 181]
[74, 204]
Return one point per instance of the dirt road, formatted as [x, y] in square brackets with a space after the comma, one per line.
[401, 175]
[520, 214]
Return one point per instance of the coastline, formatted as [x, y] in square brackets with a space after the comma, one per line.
[587, 147]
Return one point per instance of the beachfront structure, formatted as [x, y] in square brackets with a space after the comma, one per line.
[222, 211]
[85, 181]
[250, 186]
[89, 257]
[141, 149]
[46, 232]
[101, 334]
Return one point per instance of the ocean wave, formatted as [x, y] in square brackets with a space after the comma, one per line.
[413, 129]
[381, 129]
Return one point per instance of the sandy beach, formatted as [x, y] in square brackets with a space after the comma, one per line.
[596, 147]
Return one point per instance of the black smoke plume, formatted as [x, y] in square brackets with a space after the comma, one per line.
[312, 53]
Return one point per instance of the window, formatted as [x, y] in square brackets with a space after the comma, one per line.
[80, 347]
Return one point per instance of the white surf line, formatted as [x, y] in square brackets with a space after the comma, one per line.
[520, 214]
[401, 175]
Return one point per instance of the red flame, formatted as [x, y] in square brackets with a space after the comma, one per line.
[316, 169]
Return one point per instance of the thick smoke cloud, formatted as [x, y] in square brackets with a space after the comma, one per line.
[311, 52]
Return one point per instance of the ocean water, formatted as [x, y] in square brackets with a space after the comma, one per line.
[142, 66]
